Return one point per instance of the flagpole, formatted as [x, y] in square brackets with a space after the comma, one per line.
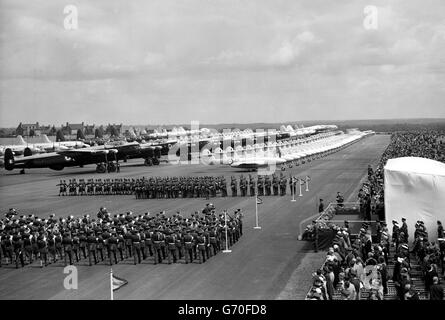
[111, 284]
[293, 189]
[256, 212]
[227, 242]
[299, 183]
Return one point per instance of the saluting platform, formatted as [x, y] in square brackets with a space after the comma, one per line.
[262, 264]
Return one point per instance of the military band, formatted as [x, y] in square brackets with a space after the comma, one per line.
[114, 238]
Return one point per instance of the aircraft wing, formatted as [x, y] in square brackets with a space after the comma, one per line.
[74, 153]
[87, 155]
[48, 155]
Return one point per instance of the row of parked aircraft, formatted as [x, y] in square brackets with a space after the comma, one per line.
[253, 157]
[106, 157]
[21, 147]
[183, 135]
[242, 149]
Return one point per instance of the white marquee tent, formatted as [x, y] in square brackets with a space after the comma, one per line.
[415, 190]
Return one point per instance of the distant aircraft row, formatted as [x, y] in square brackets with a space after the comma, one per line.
[183, 135]
[242, 149]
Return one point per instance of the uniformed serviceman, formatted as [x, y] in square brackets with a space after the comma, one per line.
[260, 186]
[214, 241]
[188, 246]
[201, 246]
[243, 186]
[83, 244]
[92, 247]
[27, 246]
[234, 186]
[251, 186]
[157, 239]
[283, 184]
[223, 187]
[275, 185]
[206, 236]
[59, 246]
[291, 185]
[67, 243]
[43, 249]
[239, 220]
[100, 245]
[52, 246]
[170, 240]
[136, 242]
[194, 233]
[120, 243]
[112, 242]
[62, 188]
[17, 243]
[179, 242]
[267, 186]
[76, 246]
[128, 244]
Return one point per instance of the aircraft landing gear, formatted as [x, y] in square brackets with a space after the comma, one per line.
[101, 168]
[111, 167]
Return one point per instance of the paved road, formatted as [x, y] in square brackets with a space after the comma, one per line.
[259, 267]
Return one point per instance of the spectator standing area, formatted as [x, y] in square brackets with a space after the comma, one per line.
[390, 265]
[261, 265]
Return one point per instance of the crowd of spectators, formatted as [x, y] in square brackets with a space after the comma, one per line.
[423, 143]
[356, 264]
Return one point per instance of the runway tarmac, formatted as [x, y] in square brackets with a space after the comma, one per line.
[260, 264]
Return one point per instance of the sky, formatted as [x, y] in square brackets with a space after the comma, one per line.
[220, 61]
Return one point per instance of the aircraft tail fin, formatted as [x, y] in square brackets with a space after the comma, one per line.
[9, 159]
[20, 140]
[46, 139]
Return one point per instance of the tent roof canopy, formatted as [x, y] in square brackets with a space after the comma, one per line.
[416, 165]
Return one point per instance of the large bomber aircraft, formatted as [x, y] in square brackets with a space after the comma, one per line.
[105, 157]
[51, 146]
[21, 147]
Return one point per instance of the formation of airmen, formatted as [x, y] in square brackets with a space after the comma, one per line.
[91, 187]
[180, 187]
[119, 237]
[268, 184]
